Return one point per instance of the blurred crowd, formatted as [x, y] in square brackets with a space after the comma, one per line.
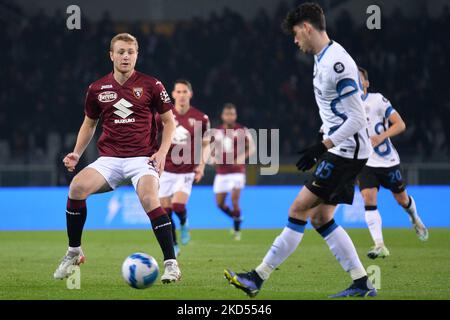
[47, 68]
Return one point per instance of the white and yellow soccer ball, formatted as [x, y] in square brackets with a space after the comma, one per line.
[140, 270]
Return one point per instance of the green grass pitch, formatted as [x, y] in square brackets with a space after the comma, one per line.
[414, 270]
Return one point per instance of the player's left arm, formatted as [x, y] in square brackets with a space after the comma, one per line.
[346, 80]
[159, 158]
[397, 126]
[347, 89]
[162, 104]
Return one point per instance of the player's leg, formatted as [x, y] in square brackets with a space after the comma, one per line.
[342, 247]
[147, 190]
[393, 180]
[166, 203]
[283, 246]
[179, 202]
[166, 184]
[236, 213]
[374, 223]
[222, 187]
[409, 205]
[85, 183]
[369, 184]
[220, 202]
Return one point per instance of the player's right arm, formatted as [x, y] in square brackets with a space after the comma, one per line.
[92, 114]
[85, 135]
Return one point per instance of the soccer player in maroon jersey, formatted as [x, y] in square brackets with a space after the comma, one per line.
[238, 144]
[127, 102]
[181, 168]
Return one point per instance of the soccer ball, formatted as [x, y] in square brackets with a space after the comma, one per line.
[140, 270]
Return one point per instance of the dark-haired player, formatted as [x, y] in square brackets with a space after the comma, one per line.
[339, 157]
[383, 167]
[127, 102]
[181, 168]
[237, 145]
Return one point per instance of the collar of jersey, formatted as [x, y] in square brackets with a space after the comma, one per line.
[364, 96]
[322, 53]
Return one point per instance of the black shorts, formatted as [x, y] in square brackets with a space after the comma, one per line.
[334, 178]
[389, 178]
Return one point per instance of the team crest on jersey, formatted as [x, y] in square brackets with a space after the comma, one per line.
[138, 92]
[339, 67]
[107, 96]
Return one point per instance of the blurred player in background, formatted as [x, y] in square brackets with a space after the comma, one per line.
[383, 167]
[126, 101]
[237, 146]
[179, 175]
[339, 158]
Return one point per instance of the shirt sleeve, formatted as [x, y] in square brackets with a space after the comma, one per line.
[161, 100]
[346, 80]
[388, 110]
[91, 108]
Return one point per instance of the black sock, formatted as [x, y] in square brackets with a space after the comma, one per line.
[163, 231]
[174, 227]
[237, 220]
[361, 283]
[180, 211]
[76, 214]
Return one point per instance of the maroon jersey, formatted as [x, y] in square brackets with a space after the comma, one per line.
[184, 140]
[229, 139]
[128, 114]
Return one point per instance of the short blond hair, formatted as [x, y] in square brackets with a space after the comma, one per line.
[123, 37]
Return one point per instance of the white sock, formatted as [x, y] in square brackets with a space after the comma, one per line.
[74, 249]
[411, 210]
[373, 220]
[283, 246]
[343, 249]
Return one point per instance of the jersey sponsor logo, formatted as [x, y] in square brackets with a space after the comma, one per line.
[138, 92]
[107, 96]
[123, 108]
[106, 86]
[339, 67]
[131, 120]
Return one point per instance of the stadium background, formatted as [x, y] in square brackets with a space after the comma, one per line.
[231, 51]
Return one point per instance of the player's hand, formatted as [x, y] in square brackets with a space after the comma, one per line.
[199, 173]
[376, 140]
[71, 160]
[158, 160]
[310, 156]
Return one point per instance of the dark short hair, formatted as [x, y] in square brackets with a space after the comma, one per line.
[364, 72]
[308, 11]
[185, 82]
[229, 106]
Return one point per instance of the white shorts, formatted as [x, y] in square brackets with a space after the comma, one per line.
[170, 183]
[119, 171]
[224, 183]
